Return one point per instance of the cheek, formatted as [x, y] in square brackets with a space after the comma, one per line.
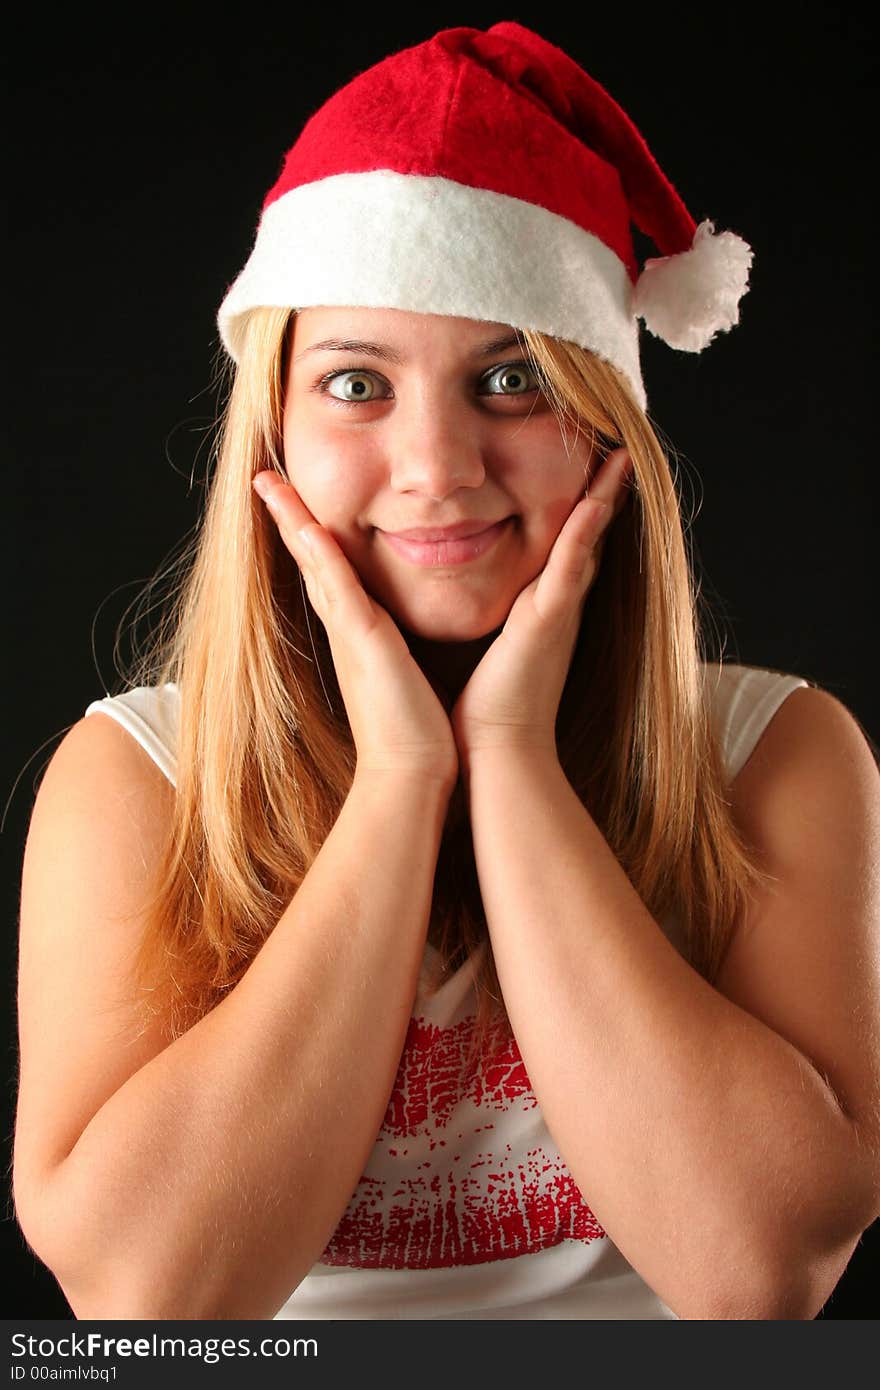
[333, 486]
[549, 496]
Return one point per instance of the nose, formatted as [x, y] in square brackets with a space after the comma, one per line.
[435, 452]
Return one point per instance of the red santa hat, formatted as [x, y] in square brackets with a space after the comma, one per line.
[485, 175]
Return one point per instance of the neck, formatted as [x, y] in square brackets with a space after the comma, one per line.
[448, 665]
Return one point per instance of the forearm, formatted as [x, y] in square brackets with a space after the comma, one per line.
[212, 1180]
[709, 1148]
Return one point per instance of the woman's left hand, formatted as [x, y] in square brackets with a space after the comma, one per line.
[512, 697]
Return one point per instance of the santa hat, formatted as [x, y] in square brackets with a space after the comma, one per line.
[485, 175]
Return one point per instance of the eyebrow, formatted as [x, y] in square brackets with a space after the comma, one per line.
[385, 353]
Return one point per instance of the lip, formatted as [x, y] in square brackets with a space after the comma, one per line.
[446, 545]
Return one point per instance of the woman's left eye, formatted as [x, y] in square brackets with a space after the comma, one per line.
[513, 379]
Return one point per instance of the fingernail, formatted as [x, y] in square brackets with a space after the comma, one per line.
[263, 488]
[267, 493]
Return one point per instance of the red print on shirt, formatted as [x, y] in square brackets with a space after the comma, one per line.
[443, 1186]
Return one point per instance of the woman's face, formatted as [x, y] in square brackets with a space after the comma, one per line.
[398, 423]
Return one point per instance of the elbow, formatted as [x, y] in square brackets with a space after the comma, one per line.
[825, 1238]
[805, 1253]
[122, 1290]
[90, 1294]
[797, 1296]
[790, 1277]
[129, 1291]
[804, 1291]
[61, 1249]
[97, 1286]
[117, 1299]
[801, 1292]
[40, 1237]
[785, 1290]
[115, 1292]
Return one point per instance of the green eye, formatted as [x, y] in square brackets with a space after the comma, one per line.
[513, 379]
[351, 386]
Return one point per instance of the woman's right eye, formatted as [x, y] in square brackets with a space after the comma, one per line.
[352, 386]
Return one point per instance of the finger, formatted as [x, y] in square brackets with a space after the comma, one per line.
[291, 515]
[581, 538]
[611, 481]
[342, 603]
[334, 587]
[572, 563]
[282, 499]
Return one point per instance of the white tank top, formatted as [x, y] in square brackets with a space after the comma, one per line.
[466, 1208]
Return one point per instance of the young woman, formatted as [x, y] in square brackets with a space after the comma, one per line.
[429, 931]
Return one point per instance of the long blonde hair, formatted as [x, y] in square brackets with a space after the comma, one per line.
[265, 756]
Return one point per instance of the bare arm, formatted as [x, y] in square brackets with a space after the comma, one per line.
[726, 1138]
[208, 1183]
[202, 1179]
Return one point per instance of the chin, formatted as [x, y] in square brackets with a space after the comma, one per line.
[459, 625]
[452, 634]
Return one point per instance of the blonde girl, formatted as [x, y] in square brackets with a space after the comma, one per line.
[428, 931]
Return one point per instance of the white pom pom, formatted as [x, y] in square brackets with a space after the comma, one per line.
[688, 298]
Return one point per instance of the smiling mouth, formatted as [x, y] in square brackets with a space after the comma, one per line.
[450, 545]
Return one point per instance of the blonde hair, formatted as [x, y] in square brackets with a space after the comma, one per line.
[265, 755]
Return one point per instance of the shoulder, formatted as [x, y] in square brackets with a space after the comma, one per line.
[107, 745]
[808, 799]
[150, 715]
[102, 808]
[741, 702]
[99, 782]
[804, 958]
[811, 760]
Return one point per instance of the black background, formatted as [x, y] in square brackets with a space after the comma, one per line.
[138, 157]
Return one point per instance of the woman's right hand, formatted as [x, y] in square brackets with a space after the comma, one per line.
[397, 721]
